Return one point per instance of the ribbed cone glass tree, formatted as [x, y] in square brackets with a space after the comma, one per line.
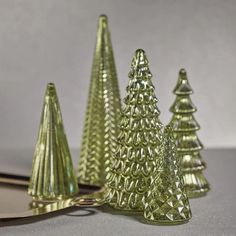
[103, 112]
[52, 175]
[188, 145]
[166, 201]
[138, 142]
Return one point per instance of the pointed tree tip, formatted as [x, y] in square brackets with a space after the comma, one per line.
[140, 63]
[103, 20]
[51, 89]
[182, 72]
[168, 129]
[103, 17]
[50, 85]
[139, 52]
[140, 56]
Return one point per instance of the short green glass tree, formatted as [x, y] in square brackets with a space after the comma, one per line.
[166, 201]
[138, 142]
[188, 145]
[53, 174]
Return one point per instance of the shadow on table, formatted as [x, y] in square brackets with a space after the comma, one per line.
[80, 212]
[138, 216]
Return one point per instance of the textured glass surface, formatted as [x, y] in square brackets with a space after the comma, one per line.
[166, 201]
[52, 175]
[103, 111]
[188, 145]
[138, 141]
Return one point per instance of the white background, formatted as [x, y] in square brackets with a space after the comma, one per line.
[45, 41]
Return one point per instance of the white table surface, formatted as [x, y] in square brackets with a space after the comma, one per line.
[214, 214]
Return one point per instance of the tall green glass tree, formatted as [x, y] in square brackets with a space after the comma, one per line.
[103, 112]
[138, 141]
[188, 145]
[166, 201]
[52, 175]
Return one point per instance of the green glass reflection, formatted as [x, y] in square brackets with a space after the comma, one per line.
[138, 141]
[166, 201]
[188, 145]
[52, 175]
[103, 112]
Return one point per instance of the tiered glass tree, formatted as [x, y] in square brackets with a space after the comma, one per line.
[138, 142]
[166, 201]
[188, 145]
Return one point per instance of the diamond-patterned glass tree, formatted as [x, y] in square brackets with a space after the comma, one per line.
[52, 175]
[188, 145]
[138, 141]
[103, 112]
[166, 201]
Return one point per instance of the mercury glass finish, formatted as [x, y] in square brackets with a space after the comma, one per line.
[52, 175]
[188, 145]
[166, 201]
[138, 142]
[103, 112]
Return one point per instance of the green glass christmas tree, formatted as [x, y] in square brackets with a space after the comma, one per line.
[52, 175]
[188, 145]
[138, 141]
[103, 111]
[166, 201]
